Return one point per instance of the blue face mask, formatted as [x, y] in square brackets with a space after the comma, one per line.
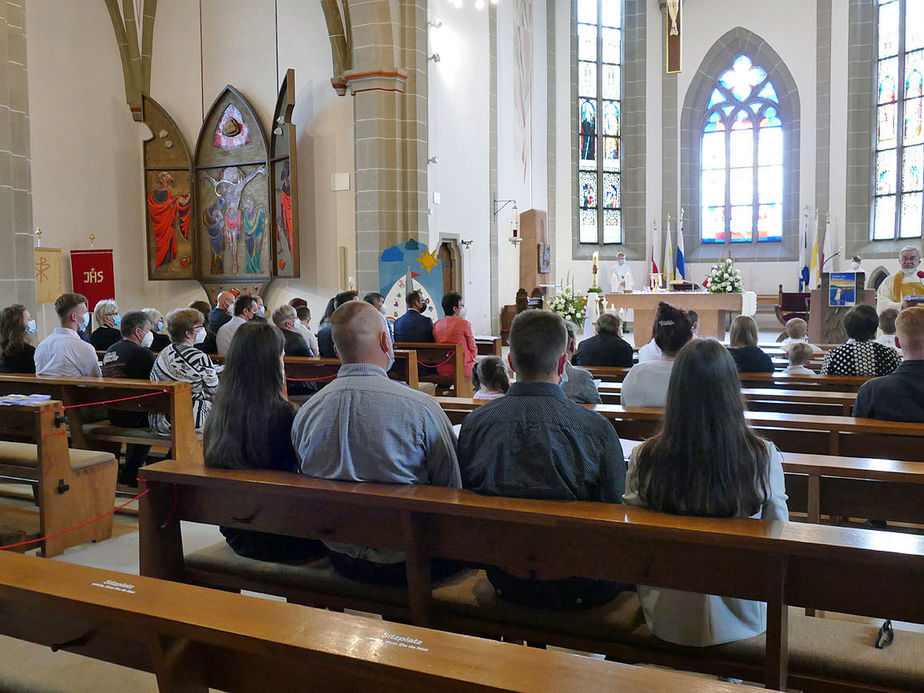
[564, 379]
[160, 326]
[86, 320]
[30, 326]
[117, 320]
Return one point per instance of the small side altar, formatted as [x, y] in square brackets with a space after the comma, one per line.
[713, 309]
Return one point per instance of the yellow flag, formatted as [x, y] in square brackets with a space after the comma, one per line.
[48, 284]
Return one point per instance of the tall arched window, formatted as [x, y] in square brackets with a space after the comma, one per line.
[741, 183]
[599, 34]
[898, 185]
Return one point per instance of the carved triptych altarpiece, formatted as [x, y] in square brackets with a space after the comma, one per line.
[229, 215]
[285, 181]
[168, 203]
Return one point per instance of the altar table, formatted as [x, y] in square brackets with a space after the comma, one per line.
[712, 309]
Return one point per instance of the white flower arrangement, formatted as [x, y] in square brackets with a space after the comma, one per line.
[568, 306]
[725, 278]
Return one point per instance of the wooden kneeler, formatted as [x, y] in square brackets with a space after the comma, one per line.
[72, 486]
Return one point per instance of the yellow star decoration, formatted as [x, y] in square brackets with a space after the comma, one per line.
[427, 260]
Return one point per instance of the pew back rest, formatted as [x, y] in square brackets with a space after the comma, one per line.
[832, 568]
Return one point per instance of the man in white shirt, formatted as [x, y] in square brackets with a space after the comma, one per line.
[63, 353]
[244, 310]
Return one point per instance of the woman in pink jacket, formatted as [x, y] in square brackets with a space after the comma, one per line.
[456, 329]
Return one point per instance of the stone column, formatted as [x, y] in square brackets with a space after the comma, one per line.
[388, 80]
[17, 283]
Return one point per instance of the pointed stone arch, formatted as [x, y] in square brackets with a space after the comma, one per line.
[718, 58]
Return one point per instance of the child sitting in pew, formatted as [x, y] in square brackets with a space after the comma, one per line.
[489, 378]
[800, 355]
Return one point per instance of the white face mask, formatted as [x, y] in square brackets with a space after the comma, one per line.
[261, 310]
[148, 340]
[200, 336]
[854, 266]
[462, 312]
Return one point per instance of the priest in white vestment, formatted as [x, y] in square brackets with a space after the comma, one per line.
[909, 281]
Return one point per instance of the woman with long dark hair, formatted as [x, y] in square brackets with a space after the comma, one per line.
[16, 354]
[705, 462]
[249, 427]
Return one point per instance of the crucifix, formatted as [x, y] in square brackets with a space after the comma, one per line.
[673, 29]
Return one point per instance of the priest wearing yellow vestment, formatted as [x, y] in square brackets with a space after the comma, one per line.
[908, 282]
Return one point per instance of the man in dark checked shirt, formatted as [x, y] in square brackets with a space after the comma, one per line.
[536, 443]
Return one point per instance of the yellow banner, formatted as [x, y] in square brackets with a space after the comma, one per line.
[48, 275]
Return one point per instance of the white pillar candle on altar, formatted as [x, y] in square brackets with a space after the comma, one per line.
[596, 255]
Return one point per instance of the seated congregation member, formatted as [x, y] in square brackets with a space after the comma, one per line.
[259, 309]
[182, 361]
[414, 326]
[490, 379]
[208, 345]
[244, 310]
[742, 340]
[220, 314]
[328, 312]
[887, 327]
[796, 332]
[325, 338]
[365, 427]
[651, 352]
[161, 341]
[454, 328]
[607, 347]
[536, 443]
[578, 384]
[899, 396]
[298, 302]
[107, 319]
[376, 300]
[705, 462]
[131, 357]
[16, 354]
[252, 382]
[862, 354]
[303, 326]
[294, 344]
[800, 355]
[646, 383]
[63, 353]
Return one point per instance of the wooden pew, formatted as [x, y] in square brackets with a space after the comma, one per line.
[174, 399]
[807, 433]
[771, 399]
[489, 346]
[71, 486]
[854, 571]
[432, 353]
[297, 367]
[837, 383]
[195, 639]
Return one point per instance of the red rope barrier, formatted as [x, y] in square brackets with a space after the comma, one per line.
[111, 401]
[437, 365]
[82, 524]
[311, 380]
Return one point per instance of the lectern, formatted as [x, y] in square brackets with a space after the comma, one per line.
[826, 322]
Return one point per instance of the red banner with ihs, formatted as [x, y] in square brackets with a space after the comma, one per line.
[93, 275]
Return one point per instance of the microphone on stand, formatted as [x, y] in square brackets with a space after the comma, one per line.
[828, 259]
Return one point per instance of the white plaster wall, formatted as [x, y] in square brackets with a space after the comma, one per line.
[87, 150]
[459, 121]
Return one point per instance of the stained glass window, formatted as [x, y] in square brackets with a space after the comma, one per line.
[599, 57]
[741, 165]
[898, 187]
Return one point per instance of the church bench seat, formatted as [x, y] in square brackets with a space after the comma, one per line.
[196, 639]
[71, 486]
[770, 399]
[863, 572]
[173, 398]
[322, 370]
[432, 353]
[806, 433]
